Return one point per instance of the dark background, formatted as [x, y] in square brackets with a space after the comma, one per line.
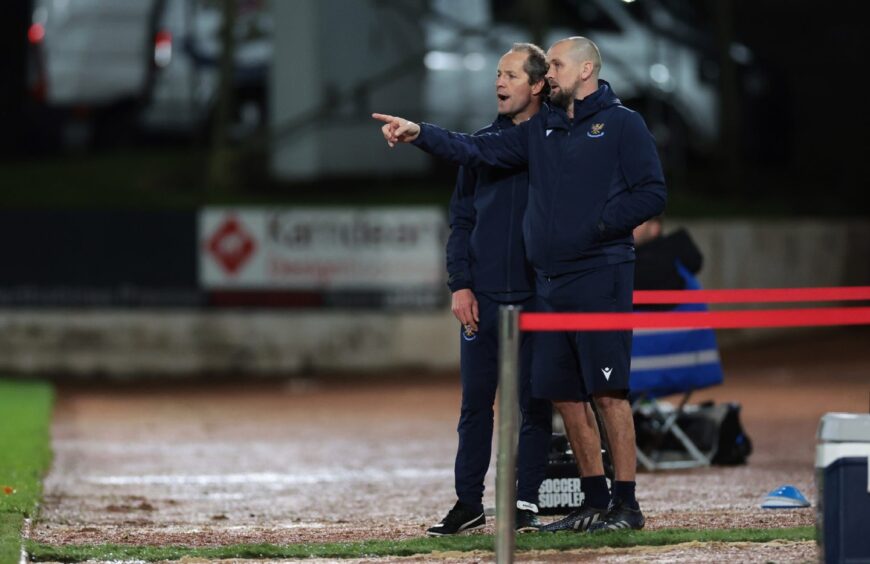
[797, 150]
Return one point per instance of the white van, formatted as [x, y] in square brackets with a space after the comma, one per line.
[95, 53]
[151, 64]
[90, 59]
[187, 56]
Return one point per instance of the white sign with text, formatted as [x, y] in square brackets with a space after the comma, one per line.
[325, 249]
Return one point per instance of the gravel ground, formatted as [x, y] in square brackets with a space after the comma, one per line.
[346, 458]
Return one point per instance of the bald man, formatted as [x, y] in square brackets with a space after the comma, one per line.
[594, 175]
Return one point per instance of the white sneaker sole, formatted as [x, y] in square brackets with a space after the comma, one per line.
[459, 532]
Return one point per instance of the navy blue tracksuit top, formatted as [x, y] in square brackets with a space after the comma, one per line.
[591, 179]
[485, 248]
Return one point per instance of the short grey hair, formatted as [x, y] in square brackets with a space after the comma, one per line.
[536, 62]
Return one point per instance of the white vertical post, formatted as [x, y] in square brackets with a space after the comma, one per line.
[506, 480]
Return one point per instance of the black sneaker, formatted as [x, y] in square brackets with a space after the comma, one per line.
[579, 520]
[460, 518]
[527, 517]
[619, 517]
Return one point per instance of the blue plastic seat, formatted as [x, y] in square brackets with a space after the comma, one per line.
[667, 362]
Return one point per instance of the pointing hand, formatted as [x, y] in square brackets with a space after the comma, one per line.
[397, 130]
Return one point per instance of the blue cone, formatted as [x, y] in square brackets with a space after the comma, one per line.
[785, 497]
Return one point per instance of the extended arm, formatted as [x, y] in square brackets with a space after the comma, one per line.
[506, 149]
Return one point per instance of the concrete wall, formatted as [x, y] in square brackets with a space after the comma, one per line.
[126, 343]
[781, 253]
[133, 343]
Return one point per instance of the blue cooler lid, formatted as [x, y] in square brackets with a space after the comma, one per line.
[844, 428]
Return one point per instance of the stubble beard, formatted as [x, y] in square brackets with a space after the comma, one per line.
[564, 98]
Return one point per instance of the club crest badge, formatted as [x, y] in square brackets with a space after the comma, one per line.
[597, 130]
[468, 333]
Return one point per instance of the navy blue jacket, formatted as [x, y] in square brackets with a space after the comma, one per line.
[485, 249]
[592, 179]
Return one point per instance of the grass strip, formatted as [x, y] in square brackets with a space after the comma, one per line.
[409, 547]
[10, 536]
[25, 454]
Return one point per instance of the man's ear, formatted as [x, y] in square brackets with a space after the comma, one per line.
[587, 70]
[538, 87]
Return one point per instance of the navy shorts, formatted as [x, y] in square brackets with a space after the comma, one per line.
[574, 365]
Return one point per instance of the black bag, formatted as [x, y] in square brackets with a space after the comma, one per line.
[712, 428]
[734, 445]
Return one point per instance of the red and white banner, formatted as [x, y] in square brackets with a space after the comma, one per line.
[322, 249]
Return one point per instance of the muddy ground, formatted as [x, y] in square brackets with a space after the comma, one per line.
[348, 457]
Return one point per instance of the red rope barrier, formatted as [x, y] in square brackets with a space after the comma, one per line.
[836, 294]
[809, 317]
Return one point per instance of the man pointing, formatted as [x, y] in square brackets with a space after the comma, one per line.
[487, 268]
[594, 175]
